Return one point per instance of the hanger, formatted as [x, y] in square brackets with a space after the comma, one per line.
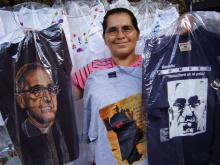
[186, 21]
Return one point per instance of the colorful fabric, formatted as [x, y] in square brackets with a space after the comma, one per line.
[87, 41]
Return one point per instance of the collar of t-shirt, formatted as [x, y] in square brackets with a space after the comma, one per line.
[132, 65]
[117, 74]
[36, 19]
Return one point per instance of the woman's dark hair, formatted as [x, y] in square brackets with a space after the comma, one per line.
[119, 11]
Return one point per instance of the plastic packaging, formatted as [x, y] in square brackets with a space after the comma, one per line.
[36, 98]
[181, 72]
[87, 40]
[8, 154]
[17, 18]
[32, 15]
[60, 17]
[153, 21]
[8, 24]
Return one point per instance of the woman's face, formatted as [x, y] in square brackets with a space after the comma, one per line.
[122, 44]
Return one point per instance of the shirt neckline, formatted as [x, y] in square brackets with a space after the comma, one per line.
[132, 65]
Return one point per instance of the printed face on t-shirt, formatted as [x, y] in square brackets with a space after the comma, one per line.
[187, 113]
[39, 97]
[121, 36]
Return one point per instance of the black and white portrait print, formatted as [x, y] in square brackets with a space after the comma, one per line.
[188, 103]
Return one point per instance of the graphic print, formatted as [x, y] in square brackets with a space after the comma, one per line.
[188, 103]
[125, 129]
[36, 95]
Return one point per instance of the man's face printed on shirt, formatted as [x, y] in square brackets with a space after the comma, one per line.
[189, 107]
[40, 107]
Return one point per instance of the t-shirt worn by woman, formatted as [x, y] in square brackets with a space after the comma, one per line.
[79, 77]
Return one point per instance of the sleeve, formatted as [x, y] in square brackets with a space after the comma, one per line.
[86, 114]
[79, 77]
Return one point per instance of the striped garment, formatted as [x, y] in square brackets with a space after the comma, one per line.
[79, 77]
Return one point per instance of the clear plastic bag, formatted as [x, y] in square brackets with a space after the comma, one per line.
[87, 40]
[181, 75]
[31, 15]
[8, 154]
[36, 98]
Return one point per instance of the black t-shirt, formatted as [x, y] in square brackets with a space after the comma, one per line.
[59, 144]
[183, 107]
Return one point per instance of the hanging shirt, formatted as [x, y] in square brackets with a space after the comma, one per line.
[183, 107]
[9, 27]
[35, 18]
[87, 40]
[8, 22]
[7, 150]
[57, 144]
[112, 118]
[60, 17]
[79, 77]
[151, 24]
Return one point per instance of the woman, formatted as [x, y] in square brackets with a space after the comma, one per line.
[120, 33]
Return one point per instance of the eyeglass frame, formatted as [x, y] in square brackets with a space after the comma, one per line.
[183, 105]
[117, 30]
[44, 88]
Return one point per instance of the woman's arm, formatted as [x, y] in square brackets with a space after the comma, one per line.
[77, 93]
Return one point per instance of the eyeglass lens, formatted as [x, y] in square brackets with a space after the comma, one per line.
[38, 90]
[113, 31]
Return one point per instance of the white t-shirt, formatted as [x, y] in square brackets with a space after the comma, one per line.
[85, 24]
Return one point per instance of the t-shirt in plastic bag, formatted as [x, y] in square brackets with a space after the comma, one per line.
[36, 97]
[181, 94]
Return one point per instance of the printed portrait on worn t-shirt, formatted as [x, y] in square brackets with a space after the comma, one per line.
[125, 129]
[188, 103]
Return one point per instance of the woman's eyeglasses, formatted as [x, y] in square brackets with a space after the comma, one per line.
[38, 91]
[113, 31]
